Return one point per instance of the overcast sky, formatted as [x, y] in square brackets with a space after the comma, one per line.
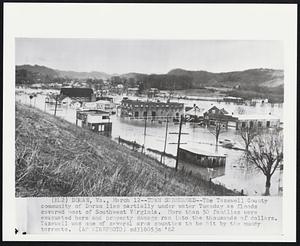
[148, 56]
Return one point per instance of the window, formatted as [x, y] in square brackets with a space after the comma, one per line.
[153, 113]
[251, 124]
[268, 124]
[243, 124]
[105, 117]
[136, 114]
[145, 114]
[259, 124]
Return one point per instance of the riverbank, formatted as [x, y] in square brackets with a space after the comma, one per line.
[57, 158]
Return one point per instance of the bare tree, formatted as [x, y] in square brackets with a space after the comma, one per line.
[248, 134]
[266, 153]
[216, 130]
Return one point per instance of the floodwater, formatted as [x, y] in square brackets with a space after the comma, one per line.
[236, 175]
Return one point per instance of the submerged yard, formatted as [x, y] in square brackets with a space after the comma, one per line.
[57, 158]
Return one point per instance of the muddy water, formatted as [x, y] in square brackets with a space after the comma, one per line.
[236, 174]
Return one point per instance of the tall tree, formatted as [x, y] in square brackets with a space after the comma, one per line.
[266, 153]
[248, 134]
[216, 130]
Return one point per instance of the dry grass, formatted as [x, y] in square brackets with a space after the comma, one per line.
[56, 158]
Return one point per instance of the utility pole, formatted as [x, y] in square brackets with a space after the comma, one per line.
[179, 134]
[145, 131]
[56, 98]
[164, 152]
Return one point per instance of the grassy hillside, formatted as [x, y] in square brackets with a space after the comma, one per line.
[56, 158]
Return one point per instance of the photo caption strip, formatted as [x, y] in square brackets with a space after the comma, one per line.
[162, 215]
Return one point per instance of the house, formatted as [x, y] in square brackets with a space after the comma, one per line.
[260, 100]
[213, 115]
[132, 91]
[75, 104]
[139, 109]
[194, 114]
[52, 98]
[78, 94]
[95, 120]
[257, 121]
[66, 101]
[152, 92]
[105, 98]
[201, 158]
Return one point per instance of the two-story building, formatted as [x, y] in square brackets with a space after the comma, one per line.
[138, 109]
[213, 115]
[95, 120]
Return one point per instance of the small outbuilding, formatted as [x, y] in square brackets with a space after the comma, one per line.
[201, 158]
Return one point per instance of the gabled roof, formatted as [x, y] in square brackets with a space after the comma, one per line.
[195, 111]
[76, 92]
[197, 150]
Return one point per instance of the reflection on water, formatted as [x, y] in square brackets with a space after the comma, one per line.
[236, 174]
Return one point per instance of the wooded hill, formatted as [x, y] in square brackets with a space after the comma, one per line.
[174, 79]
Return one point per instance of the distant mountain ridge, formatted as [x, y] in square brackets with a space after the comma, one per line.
[258, 77]
[44, 71]
[251, 77]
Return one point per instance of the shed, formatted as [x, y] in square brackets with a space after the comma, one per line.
[202, 158]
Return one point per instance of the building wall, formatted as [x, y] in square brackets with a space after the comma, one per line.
[201, 160]
[258, 123]
[152, 110]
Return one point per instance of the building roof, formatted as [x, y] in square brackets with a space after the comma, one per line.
[92, 111]
[151, 103]
[197, 150]
[257, 117]
[195, 111]
[76, 92]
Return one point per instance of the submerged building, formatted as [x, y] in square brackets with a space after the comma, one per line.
[95, 120]
[78, 94]
[137, 109]
[201, 157]
[257, 121]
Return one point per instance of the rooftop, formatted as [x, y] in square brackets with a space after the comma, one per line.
[148, 102]
[76, 92]
[197, 150]
[92, 111]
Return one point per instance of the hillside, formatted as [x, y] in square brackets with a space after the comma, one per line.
[83, 75]
[29, 74]
[248, 78]
[174, 79]
[56, 158]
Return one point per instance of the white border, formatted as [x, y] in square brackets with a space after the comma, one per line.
[153, 21]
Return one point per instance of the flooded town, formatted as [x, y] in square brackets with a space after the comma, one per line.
[148, 131]
[224, 129]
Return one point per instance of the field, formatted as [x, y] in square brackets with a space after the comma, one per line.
[56, 158]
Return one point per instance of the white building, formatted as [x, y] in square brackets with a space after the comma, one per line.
[104, 105]
[259, 100]
[257, 121]
[66, 101]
